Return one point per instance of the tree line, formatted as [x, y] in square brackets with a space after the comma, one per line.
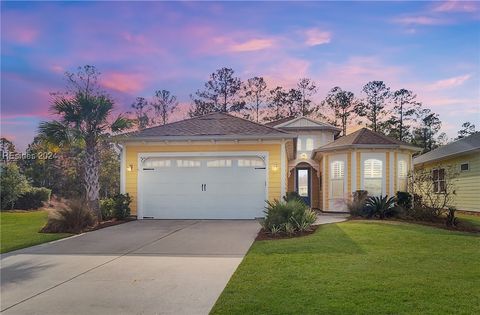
[86, 161]
[396, 113]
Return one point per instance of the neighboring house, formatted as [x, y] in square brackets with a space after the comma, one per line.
[218, 166]
[463, 158]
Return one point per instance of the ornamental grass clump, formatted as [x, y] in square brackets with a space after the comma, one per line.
[73, 217]
[288, 217]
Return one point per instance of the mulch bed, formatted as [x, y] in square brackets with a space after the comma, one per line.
[263, 235]
[108, 223]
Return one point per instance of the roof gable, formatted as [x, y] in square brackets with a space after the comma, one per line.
[303, 122]
[460, 146]
[213, 125]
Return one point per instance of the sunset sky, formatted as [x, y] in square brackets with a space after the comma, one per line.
[432, 48]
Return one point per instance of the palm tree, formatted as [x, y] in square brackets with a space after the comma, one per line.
[85, 119]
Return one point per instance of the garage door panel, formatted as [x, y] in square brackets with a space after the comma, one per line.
[231, 192]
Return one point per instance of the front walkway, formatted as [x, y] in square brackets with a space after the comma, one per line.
[140, 267]
[325, 218]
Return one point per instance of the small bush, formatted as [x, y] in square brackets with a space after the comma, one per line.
[107, 207]
[404, 200]
[74, 217]
[381, 207]
[33, 198]
[122, 206]
[356, 206]
[451, 219]
[117, 207]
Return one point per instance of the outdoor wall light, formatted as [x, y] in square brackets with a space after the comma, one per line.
[130, 168]
[275, 167]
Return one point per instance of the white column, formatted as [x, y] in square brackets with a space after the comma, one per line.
[353, 176]
[391, 172]
[123, 160]
[324, 180]
[283, 171]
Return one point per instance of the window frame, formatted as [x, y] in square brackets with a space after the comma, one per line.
[402, 177]
[381, 179]
[468, 167]
[437, 181]
[309, 140]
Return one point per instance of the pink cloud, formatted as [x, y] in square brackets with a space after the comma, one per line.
[419, 20]
[252, 45]
[123, 82]
[22, 34]
[315, 36]
[457, 6]
[288, 74]
[448, 83]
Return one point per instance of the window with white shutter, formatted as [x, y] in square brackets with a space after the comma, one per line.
[373, 176]
[337, 174]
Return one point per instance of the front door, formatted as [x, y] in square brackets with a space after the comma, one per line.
[303, 184]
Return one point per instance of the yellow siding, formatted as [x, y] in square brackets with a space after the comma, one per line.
[387, 173]
[274, 151]
[467, 184]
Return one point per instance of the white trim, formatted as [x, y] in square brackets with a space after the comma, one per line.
[283, 174]
[331, 159]
[324, 180]
[141, 155]
[379, 156]
[353, 176]
[123, 169]
[391, 179]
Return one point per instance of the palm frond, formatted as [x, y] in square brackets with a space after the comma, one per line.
[121, 123]
[57, 133]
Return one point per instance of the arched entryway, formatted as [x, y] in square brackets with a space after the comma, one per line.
[305, 180]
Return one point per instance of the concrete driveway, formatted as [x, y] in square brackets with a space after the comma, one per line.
[141, 267]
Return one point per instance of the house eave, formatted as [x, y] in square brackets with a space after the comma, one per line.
[320, 151]
[445, 157]
[204, 138]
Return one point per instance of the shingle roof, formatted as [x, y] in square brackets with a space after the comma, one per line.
[458, 147]
[210, 126]
[280, 121]
[364, 137]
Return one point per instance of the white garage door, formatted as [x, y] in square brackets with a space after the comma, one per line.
[226, 187]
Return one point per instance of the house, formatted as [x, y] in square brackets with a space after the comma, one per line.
[461, 157]
[219, 166]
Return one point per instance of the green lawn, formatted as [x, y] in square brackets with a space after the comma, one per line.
[20, 229]
[359, 267]
[472, 219]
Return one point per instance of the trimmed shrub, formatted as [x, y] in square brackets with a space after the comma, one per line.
[74, 217]
[117, 207]
[107, 207]
[122, 206]
[33, 198]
